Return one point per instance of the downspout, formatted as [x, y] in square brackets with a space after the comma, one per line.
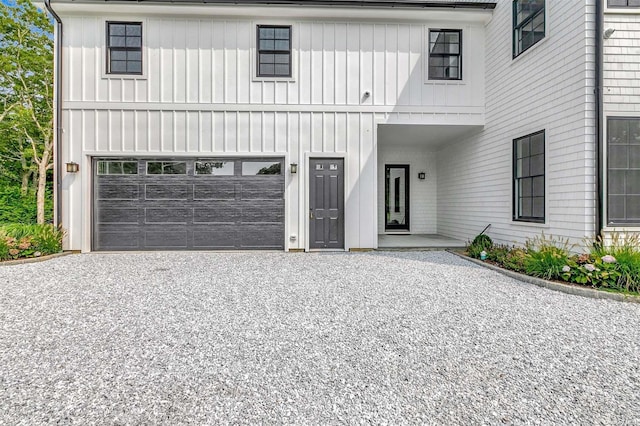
[599, 60]
[57, 101]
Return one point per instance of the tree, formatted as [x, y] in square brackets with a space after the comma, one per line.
[26, 96]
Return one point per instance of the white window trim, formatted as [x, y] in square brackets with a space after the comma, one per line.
[103, 52]
[254, 52]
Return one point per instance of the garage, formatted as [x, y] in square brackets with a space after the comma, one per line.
[188, 204]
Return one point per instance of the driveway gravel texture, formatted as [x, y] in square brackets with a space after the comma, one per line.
[320, 338]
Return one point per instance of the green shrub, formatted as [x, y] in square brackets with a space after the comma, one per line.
[625, 249]
[546, 257]
[16, 207]
[480, 243]
[27, 240]
[515, 260]
[499, 253]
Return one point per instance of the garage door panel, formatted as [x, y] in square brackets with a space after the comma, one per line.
[216, 237]
[163, 238]
[167, 192]
[181, 212]
[264, 211]
[262, 190]
[122, 215]
[118, 191]
[262, 236]
[167, 215]
[119, 237]
[214, 191]
[218, 213]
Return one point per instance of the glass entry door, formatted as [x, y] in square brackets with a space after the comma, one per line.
[396, 197]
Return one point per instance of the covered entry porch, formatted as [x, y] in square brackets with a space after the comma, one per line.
[408, 184]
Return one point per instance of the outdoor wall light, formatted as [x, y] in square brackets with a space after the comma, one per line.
[294, 168]
[422, 175]
[72, 167]
[608, 33]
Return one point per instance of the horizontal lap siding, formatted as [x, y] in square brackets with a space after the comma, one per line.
[622, 64]
[548, 87]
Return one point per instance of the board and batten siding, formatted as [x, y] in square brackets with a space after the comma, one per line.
[199, 97]
[549, 87]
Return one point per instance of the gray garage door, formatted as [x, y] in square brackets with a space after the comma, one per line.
[188, 204]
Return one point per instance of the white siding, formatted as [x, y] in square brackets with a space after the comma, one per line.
[549, 87]
[622, 64]
[199, 96]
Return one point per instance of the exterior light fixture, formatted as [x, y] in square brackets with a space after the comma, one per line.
[294, 168]
[72, 167]
[422, 175]
[608, 33]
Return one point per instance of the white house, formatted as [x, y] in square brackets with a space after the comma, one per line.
[302, 125]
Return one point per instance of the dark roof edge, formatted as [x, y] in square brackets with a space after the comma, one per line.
[343, 3]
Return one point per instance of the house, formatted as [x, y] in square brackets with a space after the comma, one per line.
[303, 125]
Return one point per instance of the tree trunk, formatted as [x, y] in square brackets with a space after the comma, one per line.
[42, 185]
[24, 186]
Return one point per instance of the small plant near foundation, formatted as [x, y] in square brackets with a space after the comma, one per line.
[546, 257]
[480, 243]
[22, 241]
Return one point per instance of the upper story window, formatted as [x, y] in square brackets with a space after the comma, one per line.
[528, 24]
[623, 3]
[124, 47]
[274, 51]
[445, 55]
[528, 178]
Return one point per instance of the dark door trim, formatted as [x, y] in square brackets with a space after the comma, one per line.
[396, 202]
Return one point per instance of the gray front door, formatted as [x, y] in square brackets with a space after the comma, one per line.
[326, 203]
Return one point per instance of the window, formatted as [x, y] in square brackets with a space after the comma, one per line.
[623, 3]
[274, 51]
[528, 178]
[623, 171]
[117, 167]
[166, 168]
[124, 48]
[215, 168]
[445, 54]
[256, 168]
[528, 24]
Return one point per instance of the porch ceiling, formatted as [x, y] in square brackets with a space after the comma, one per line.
[432, 136]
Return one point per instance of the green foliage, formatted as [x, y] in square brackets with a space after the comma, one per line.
[16, 207]
[612, 263]
[31, 240]
[480, 243]
[546, 256]
[26, 98]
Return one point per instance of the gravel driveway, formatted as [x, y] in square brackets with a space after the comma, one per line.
[399, 337]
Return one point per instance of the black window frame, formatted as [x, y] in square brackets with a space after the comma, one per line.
[609, 5]
[110, 49]
[260, 51]
[516, 196]
[626, 193]
[446, 55]
[517, 27]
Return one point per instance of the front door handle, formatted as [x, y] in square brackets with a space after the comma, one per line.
[311, 214]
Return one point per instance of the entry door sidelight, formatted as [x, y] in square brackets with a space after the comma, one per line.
[396, 197]
[326, 203]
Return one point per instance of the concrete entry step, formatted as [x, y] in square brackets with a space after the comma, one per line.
[417, 242]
